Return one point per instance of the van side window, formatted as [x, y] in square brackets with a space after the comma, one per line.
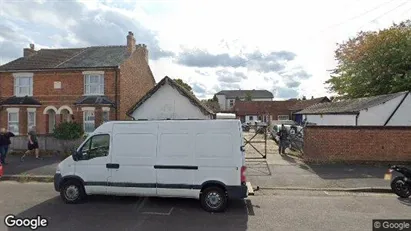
[96, 146]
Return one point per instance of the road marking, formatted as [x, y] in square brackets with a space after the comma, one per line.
[162, 214]
[140, 205]
[326, 193]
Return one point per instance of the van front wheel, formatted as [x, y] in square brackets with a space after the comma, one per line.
[213, 199]
[72, 192]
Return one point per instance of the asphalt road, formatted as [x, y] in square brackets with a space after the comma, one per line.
[269, 210]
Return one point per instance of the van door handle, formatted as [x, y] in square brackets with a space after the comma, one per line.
[112, 165]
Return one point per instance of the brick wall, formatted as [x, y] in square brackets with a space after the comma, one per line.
[72, 89]
[136, 80]
[336, 143]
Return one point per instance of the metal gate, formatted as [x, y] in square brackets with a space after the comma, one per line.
[258, 131]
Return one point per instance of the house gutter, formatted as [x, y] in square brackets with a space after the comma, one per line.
[395, 110]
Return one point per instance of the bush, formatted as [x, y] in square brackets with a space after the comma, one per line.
[68, 131]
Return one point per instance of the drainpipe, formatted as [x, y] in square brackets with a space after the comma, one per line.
[116, 91]
[356, 119]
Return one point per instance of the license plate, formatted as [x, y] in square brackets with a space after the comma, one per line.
[387, 176]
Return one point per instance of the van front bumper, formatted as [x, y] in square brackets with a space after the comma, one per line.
[237, 192]
[57, 180]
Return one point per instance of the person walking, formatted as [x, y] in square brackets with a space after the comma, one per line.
[282, 144]
[4, 143]
[32, 144]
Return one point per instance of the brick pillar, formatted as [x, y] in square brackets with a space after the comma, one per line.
[58, 119]
[98, 119]
[23, 121]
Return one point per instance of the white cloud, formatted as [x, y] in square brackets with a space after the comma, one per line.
[309, 29]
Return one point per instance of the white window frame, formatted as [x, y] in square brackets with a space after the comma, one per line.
[87, 85]
[106, 110]
[85, 112]
[31, 110]
[285, 116]
[13, 111]
[17, 86]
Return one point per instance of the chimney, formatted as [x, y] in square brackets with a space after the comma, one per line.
[131, 43]
[27, 52]
[145, 50]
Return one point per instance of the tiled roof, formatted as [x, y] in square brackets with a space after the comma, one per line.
[94, 100]
[243, 93]
[26, 100]
[351, 106]
[302, 104]
[261, 107]
[89, 57]
[167, 80]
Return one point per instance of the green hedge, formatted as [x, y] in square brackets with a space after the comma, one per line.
[68, 131]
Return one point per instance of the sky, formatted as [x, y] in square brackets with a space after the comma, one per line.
[285, 47]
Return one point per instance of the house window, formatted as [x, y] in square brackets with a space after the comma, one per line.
[13, 122]
[89, 118]
[31, 120]
[23, 86]
[231, 102]
[94, 84]
[250, 118]
[283, 117]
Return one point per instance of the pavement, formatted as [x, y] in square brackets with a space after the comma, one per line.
[274, 172]
[290, 172]
[268, 210]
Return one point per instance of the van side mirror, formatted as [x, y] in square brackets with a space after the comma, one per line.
[76, 155]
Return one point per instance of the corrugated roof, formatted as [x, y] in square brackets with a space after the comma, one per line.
[351, 106]
[88, 57]
[301, 104]
[243, 93]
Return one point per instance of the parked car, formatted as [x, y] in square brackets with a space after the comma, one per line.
[245, 127]
[201, 159]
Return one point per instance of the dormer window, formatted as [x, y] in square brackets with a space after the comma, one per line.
[93, 83]
[23, 84]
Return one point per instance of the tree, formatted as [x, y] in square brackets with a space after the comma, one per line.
[248, 96]
[237, 98]
[304, 98]
[373, 63]
[185, 85]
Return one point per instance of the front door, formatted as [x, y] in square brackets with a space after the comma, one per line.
[92, 166]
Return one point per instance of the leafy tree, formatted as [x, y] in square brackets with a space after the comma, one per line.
[304, 98]
[373, 63]
[248, 96]
[185, 85]
[237, 98]
[214, 99]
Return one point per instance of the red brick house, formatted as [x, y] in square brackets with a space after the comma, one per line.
[264, 111]
[89, 85]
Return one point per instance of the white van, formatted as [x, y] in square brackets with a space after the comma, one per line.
[202, 159]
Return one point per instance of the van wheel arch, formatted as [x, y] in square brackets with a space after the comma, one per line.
[213, 183]
[71, 178]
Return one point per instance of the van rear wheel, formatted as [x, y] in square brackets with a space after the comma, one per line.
[72, 192]
[213, 199]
